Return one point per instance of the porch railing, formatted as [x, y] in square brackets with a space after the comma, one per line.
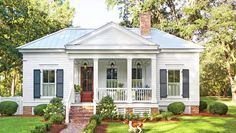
[121, 94]
[141, 94]
[117, 94]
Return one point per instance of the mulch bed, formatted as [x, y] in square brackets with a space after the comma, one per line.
[56, 128]
[101, 128]
[207, 114]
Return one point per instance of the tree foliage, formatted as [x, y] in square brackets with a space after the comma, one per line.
[208, 22]
[22, 21]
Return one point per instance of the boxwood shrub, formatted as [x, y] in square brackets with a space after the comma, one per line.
[203, 105]
[176, 108]
[42, 128]
[218, 108]
[38, 110]
[90, 128]
[8, 107]
[57, 119]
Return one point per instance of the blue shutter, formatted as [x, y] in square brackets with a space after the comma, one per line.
[60, 83]
[185, 83]
[163, 83]
[37, 83]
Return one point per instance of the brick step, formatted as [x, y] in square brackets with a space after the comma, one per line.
[82, 107]
[78, 110]
[81, 115]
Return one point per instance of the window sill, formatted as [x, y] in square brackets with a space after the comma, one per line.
[47, 97]
[174, 96]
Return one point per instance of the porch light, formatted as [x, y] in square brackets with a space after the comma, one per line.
[138, 65]
[85, 64]
[112, 63]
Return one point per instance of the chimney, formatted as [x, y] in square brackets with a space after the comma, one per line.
[145, 24]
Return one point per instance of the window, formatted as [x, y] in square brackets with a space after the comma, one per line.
[112, 78]
[137, 78]
[173, 82]
[48, 83]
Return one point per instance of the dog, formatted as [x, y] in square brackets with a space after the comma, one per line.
[134, 125]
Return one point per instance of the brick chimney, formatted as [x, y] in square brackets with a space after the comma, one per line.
[145, 24]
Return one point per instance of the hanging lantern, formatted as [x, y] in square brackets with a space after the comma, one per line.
[112, 64]
[138, 64]
[85, 64]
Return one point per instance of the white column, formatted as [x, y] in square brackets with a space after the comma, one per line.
[95, 83]
[129, 79]
[154, 80]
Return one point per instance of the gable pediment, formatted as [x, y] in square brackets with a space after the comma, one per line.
[110, 35]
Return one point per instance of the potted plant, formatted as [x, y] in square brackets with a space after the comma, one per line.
[77, 93]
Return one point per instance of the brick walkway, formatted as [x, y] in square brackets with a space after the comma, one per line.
[74, 127]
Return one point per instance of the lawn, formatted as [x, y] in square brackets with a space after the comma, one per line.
[187, 124]
[18, 124]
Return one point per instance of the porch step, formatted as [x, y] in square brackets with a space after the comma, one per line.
[80, 114]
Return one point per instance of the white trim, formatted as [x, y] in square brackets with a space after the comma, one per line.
[181, 50]
[105, 27]
[43, 50]
[113, 51]
[180, 82]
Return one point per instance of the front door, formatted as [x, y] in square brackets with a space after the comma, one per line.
[86, 84]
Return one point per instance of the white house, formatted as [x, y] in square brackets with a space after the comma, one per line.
[142, 69]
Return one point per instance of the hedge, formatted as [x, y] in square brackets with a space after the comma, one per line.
[218, 108]
[38, 110]
[8, 107]
[176, 108]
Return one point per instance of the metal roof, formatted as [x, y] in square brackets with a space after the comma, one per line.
[59, 39]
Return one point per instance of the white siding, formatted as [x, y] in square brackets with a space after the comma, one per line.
[181, 61]
[33, 61]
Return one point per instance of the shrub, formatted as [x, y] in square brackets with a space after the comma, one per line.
[106, 107]
[48, 125]
[127, 116]
[56, 119]
[146, 115]
[90, 128]
[54, 107]
[121, 116]
[136, 117]
[8, 107]
[42, 128]
[154, 115]
[218, 108]
[39, 129]
[38, 110]
[176, 108]
[203, 105]
[97, 117]
[166, 115]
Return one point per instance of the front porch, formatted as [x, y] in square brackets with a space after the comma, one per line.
[131, 80]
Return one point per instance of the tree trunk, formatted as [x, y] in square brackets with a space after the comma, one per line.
[233, 89]
[13, 86]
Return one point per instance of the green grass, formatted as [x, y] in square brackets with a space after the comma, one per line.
[187, 124]
[227, 101]
[18, 124]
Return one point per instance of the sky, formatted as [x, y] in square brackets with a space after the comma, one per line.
[93, 13]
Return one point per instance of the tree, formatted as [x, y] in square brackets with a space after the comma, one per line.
[209, 22]
[23, 21]
[222, 28]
